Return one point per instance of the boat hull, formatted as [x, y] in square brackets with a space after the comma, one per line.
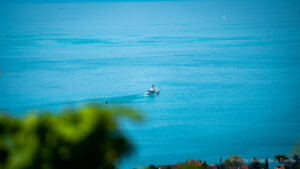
[152, 92]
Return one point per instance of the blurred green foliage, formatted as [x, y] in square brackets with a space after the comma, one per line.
[85, 138]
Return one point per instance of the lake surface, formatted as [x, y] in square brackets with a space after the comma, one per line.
[228, 71]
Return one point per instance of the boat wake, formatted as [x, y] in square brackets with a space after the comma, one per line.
[57, 105]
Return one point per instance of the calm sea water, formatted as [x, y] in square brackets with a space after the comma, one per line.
[228, 71]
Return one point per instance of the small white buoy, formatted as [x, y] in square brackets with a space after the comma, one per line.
[224, 18]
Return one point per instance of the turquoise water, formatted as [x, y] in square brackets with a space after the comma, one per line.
[228, 71]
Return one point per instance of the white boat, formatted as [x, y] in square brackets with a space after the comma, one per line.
[152, 92]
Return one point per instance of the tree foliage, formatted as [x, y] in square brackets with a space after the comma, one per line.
[296, 162]
[233, 160]
[266, 166]
[151, 166]
[255, 164]
[193, 166]
[281, 158]
[89, 137]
